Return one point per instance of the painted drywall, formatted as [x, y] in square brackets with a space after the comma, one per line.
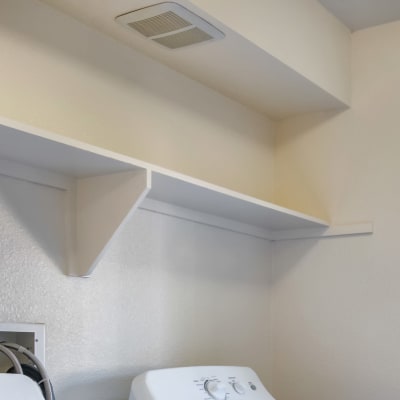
[59, 75]
[302, 34]
[335, 302]
[168, 293]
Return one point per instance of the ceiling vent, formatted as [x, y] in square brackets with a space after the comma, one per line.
[170, 25]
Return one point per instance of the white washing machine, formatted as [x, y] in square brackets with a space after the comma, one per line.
[199, 383]
[18, 387]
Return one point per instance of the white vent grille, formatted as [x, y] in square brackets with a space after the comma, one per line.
[182, 39]
[160, 24]
[170, 25]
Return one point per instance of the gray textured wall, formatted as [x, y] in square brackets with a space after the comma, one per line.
[167, 293]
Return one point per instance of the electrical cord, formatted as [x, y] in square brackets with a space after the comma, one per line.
[32, 372]
[13, 359]
[41, 371]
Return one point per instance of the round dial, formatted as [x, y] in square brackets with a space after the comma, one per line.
[217, 390]
[239, 388]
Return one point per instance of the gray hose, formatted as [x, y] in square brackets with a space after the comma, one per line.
[13, 358]
[37, 362]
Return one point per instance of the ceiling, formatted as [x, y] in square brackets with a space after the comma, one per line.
[235, 66]
[361, 14]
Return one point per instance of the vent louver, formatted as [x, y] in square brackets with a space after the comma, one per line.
[170, 25]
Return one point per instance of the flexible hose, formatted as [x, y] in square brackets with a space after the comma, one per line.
[13, 358]
[37, 362]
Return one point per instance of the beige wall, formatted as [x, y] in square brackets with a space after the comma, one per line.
[302, 34]
[336, 320]
[334, 302]
[59, 75]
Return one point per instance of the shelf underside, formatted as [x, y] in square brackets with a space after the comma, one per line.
[103, 189]
[37, 150]
[227, 204]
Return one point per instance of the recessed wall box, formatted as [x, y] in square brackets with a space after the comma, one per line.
[30, 336]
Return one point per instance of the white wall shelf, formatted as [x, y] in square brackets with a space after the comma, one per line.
[104, 188]
[216, 206]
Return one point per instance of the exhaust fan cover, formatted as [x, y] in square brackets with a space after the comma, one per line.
[170, 25]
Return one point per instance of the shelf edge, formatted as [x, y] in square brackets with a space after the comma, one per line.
[364, 228]
[186, 214]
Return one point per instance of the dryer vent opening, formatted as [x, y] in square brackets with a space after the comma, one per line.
[170, 25]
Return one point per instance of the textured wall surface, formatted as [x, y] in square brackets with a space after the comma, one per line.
[168, 293]
[336, 302]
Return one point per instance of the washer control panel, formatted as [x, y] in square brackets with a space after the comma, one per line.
[199, 383]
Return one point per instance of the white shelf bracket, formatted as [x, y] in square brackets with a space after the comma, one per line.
[102, 206]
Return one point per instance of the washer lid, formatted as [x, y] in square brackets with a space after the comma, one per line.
[19, 387]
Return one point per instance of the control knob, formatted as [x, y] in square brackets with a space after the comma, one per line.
[239, 388]
[216, 390]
